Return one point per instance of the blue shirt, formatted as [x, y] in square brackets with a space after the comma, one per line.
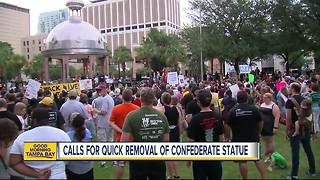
[80, 167]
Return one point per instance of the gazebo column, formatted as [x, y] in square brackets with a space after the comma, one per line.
[92, 60]
[85, 65]
[46, 70]
[65, 69]
[104, 66]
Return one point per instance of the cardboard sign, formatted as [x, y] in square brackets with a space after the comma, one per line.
[32, 89]
[172, 78]
[244, 69]
[85, 84]
[58, 88]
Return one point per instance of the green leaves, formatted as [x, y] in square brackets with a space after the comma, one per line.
[161, 50]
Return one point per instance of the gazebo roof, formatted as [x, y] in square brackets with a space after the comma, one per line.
[74, 36]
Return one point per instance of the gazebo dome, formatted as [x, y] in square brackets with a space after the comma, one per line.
[74, 36]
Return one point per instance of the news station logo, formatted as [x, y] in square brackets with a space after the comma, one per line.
[40, 151]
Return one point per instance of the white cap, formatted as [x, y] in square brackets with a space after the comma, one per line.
[117, 92]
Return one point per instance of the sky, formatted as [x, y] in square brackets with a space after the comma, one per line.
[38, 6]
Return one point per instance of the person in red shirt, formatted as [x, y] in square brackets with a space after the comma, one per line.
[118, 115]
[137, 100]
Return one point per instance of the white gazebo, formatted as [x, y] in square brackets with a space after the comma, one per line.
[75, 39]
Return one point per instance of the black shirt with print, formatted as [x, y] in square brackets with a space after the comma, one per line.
[205, 127]
[244, 120]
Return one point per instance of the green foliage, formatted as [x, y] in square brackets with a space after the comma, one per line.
[56, 71]
[35, 69]
[144, 71]
[161, 50]
[120, 57]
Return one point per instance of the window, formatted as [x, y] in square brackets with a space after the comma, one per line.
[148, 25]
[24, 43]
[115, 30]
[27, 49]
[39, 41]
[27, 43]
[40, 48]
[128, 28]
[103, 31]
[134, 27]
[33, 42]
[162, 24]
[121, 29]
[108, 30]
[155, 24]
[141, 26]
[28, 57]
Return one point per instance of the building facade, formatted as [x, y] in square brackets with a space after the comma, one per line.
[33, 45]
[49, 20]
[14, 25]
[127, 22]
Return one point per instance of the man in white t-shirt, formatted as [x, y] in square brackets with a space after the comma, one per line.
[41, 132]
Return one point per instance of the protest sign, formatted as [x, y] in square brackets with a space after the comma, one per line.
[234, 89]
[32, 89]
[58, 88]
[251, 78]
[172, 78]
[231, 69]
[85, 84]
[244, 69]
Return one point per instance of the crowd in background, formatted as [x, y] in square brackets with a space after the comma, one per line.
[208, 111]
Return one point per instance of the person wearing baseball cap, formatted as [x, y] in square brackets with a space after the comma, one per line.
[56, 119]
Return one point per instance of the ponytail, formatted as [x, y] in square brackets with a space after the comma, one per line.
[78, 125]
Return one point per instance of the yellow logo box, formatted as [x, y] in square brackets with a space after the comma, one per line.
[40, 151]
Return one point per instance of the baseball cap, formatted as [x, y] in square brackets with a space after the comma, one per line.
[73, 93]
[47, 101]
[100, 87]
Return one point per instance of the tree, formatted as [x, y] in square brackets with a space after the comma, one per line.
[121, 56]
[35, 68]
[236, 24]
[14, 66]
[6, 53]
[160, 50]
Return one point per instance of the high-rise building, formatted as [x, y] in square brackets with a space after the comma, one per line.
[48, 20]
[14, 24]
[33, 45]
[126, 22]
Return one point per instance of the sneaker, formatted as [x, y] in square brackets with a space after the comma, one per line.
[269, 169]
[290, 177]
[311, 174]
[103, 165]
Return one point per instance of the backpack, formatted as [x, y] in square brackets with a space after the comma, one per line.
[305, 122]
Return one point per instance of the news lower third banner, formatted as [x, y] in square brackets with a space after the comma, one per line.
[51, 151]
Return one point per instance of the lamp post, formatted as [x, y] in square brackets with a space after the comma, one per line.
[201, 53]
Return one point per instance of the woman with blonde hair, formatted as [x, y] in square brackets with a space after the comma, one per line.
[270, 114]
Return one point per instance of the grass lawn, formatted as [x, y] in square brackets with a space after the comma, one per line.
[230, 169]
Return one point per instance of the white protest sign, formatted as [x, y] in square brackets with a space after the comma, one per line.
[231, 69]
[172, 78]
[181, 80]
[234, 89]
[244, 69]
[109, 81]
[85, 84]
[32, 89]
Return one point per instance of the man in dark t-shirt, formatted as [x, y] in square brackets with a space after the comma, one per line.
[192, 107]
[292, 117]
[55, 117]
[206, 126]
[4, 113]
[246, 124]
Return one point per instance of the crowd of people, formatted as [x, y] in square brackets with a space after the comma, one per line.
[208, 111]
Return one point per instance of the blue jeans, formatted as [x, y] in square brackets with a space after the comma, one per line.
[295, 147]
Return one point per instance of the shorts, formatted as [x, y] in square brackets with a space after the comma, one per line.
[105, 134]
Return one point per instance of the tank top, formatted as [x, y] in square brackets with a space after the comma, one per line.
[172, 115]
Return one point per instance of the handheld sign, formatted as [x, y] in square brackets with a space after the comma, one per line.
[32, 89]
[244, 69]
[251, 78]
[172, 78]
[85, 84]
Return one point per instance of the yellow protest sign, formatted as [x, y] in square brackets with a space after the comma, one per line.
[58, 88]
